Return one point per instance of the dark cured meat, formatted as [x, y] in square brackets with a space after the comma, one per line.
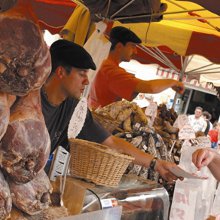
[24, 57]
[4, 113]
[5, 198]
[25, 146]
[32, 197]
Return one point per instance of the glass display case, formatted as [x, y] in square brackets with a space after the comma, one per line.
[139, 198]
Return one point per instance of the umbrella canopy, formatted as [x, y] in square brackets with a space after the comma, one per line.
[53, 14]
[211, 5]
[186, 28]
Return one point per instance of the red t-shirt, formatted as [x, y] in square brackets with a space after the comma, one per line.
[112, 83]
[213, 135]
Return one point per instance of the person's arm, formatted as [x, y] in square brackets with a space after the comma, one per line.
[158, 85]
[141, 158]
[207, 157]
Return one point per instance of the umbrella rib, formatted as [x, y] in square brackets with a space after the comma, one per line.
[166, 58]
[191, 18]
[184, 11]
[153, 14]
[122, 8]
[151, 53]
[174, 3]
[185, 64]
[181, 59]
[159, 58]
[202, 67]
[108, 7]
[194, 14]
[202, 72]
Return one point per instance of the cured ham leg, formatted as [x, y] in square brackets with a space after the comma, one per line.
[25, 147]
[24, 57]
[5, 198]
[32, 197]
[4, 113]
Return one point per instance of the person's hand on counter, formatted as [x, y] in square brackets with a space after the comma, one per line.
[163, 168]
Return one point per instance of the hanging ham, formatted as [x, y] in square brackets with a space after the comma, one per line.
[25, 147]
[4, 113]
[5, 198]
[24, 57]
[34, 196]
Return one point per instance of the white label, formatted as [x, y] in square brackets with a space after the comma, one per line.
[59, 163]
[151, 110]
[109, 203]
[204, 142]
[78, 118]
[186, 133]
[181, 121]
[128, 136]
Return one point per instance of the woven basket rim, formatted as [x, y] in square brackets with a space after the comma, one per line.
[99, 147]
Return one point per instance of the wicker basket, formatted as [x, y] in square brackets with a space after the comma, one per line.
[97, 163]
[106, 121]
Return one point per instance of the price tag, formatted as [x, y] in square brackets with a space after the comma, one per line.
[109, 203]
[204, 142]
[151, 110]
[181, 121]
[78, 118]
[186, 133]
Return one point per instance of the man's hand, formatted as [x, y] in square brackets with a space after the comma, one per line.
[203, 157]
[163, 168]
[179, 87]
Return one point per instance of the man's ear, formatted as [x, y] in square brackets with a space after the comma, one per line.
[119, 45]
[59, 72]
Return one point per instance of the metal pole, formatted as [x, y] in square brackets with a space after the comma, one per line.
[188, 101]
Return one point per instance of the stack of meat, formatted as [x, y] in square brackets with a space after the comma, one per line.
[160, 139]
[163, 125]
[24, 139]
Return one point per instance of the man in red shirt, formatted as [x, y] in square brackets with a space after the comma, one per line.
[213, 134]
[112, 83]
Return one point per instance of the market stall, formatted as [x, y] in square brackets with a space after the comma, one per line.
[26, 190]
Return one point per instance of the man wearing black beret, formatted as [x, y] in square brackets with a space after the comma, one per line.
[60, 95]
[112, 83]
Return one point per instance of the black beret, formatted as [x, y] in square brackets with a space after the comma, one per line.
[72, 54]
[123, 35]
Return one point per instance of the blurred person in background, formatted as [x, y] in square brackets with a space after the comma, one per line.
[207, 117]
[197, 121]
[214, 135]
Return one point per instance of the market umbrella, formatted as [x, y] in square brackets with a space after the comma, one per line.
[186, 29]
[53, 14]
[211, 5]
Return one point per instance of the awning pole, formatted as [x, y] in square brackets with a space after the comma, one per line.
[188, 101]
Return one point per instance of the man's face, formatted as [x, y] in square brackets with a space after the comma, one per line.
[127, 51]
[198, 113]
[74, 83]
